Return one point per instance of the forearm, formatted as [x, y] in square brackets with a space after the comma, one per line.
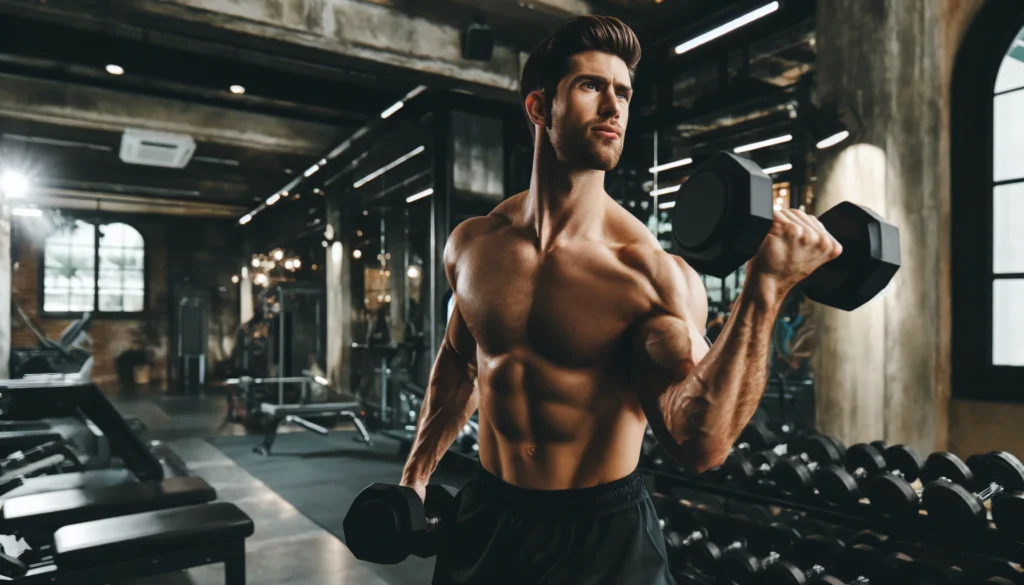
[706, 411]
[450, 400]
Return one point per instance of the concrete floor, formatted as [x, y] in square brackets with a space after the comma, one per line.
[287, 547]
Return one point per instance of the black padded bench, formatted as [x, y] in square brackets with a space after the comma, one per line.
[295, 413]
[42, 514]
[95, 478]
[150, 543]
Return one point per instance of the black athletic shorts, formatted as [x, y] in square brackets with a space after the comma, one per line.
[604, 535]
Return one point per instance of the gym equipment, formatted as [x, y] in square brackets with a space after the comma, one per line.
[724, 211]
[793, 475]
[814, 552]
[294, 414]
[893, 496]
[742, 567]
[140, 545]
[952, 507]
[863, 564]
[387, 523]
[1008, 515]
[69, 355]
[739, 469]
[19, 459]
[840, 487]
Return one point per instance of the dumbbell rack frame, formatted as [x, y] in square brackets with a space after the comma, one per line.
[988, 542]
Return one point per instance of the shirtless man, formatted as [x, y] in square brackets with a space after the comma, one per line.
[571, 331]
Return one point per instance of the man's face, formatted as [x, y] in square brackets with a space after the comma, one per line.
[590, 111]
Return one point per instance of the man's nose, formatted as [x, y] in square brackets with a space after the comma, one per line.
[611, 106]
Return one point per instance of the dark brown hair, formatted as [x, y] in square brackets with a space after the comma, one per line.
[549, 62]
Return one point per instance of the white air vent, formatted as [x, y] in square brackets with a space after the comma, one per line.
[156, 149]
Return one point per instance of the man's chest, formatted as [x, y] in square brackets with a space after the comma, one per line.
[573, 306]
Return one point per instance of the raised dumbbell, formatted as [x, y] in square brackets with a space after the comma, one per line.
[743, 566]
[953, 508]
[387, 523]
[794, 475]
[724, 211]
[841, 487]
[813, 552]
[893, 496]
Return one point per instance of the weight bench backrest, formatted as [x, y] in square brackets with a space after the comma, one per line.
[115, 540]
[47, 512]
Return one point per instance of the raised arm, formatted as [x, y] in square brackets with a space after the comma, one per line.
[697, 400]
[451, 396]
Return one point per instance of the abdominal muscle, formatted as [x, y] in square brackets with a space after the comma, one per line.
[547, 427]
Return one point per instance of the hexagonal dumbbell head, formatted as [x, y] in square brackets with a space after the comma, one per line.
[384, 522]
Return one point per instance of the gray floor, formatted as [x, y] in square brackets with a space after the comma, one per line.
[287, 547]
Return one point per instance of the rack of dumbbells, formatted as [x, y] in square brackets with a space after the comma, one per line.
[804, 508]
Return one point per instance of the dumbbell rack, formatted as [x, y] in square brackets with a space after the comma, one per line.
[988, 542]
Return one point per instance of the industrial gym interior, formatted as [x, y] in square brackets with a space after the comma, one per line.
[222, 283]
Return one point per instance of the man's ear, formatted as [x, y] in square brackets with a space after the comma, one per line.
[537, 108]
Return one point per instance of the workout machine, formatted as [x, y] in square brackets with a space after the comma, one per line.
[69, 355]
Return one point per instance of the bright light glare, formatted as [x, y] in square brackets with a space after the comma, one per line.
[727, 28]
[14, 185]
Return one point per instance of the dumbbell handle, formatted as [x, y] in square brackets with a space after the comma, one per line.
[695, 536]
[772, 558]
[993, 489]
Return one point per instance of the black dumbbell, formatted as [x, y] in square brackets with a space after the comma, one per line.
[861, 564]
[742, 566]
[814, 552]
[387, 523]
[893, 496]
[793, 475]
[954, 508]
[724, 212]
[841, 487]
[993, 571]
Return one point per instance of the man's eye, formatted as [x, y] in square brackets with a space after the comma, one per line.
[590, 84]
[621, 95]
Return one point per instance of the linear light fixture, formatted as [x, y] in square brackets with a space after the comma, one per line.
[420, 195]
[727, 28]
[388, 167]
[674, 164]
[665, 190]
[667, 205]
[778, 169]
[763, 144]
[834, 139]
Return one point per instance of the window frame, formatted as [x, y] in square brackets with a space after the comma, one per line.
[972, 156]
[96, 313]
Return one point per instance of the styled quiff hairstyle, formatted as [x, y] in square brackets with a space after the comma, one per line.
[549, 62]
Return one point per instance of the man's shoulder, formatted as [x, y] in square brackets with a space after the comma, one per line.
[470, 230]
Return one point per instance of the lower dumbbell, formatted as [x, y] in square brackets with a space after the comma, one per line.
[386, 523]
[862, 564]
[742, 566]
[794, 475]
[841, 487]
[954, 508]
[893, 496]
[815, 552]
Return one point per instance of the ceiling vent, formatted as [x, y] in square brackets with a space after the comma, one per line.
[156, 149]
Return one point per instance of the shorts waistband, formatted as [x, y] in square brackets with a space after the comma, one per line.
[608, 497]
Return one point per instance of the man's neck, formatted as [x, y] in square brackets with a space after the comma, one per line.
[563, 202]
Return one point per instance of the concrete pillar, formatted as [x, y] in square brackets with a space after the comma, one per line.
[339, 303]
[245, 296]
[881, 371]
[397, 244]
[6, 275]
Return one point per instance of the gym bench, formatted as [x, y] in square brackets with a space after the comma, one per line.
[42, 514]
[142, 545]
[294, 413]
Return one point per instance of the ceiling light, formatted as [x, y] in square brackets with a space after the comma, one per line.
[778, 169]
[237, 89]
[388, 167]
[414, 272]
[392, 109]
[667, 205]
[357, 254]
[420, 195]
[311, 170]
[833, 140]
[234, 278]
[665, 190]
[278, 254]
[115, 69]
[763, 144]
[671, 165]
[27, 211]
[14, 185]
[273, 198]
[245, 219]
[727, 28]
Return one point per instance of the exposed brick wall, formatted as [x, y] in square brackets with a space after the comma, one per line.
[178, 251]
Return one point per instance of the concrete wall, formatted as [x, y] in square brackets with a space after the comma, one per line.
[178, 250]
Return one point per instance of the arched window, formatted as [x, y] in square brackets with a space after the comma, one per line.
[94, 267]
[987, 172]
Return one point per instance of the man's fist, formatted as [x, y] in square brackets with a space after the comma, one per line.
[796, 246]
